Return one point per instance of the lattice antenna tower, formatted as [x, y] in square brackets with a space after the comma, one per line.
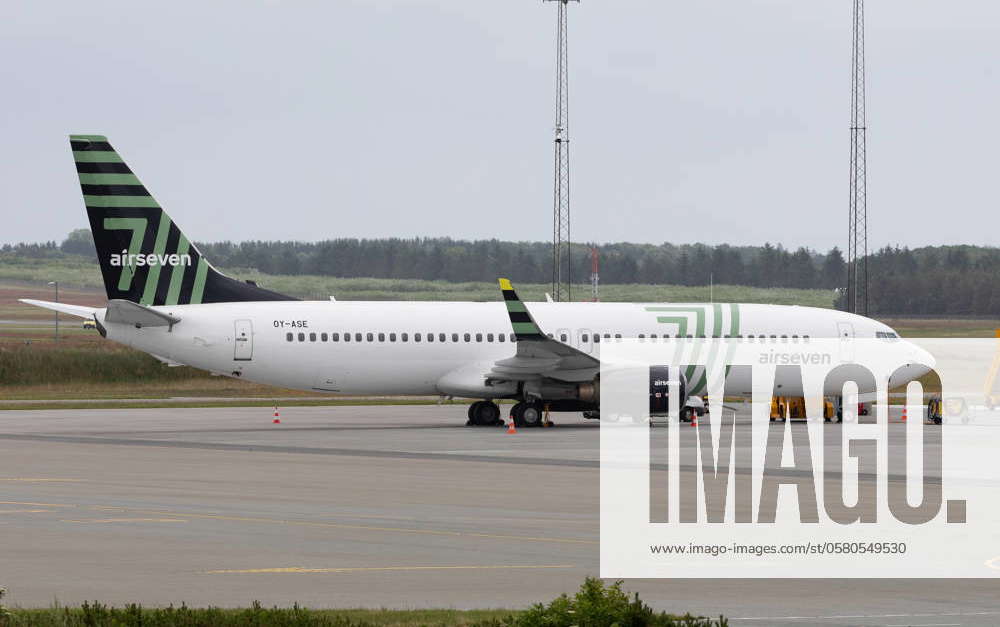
[561, 259]
[857, 246]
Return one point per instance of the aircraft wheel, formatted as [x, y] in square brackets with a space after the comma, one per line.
[484, 414]
[526, 415]
[473, 412]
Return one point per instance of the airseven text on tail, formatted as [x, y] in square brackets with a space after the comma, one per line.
[144, 256]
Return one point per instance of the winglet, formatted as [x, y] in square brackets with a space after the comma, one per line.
[520, 319]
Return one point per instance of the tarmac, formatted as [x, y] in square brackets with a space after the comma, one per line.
[366, 506]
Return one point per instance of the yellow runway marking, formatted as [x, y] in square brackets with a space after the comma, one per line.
[297, 570]
[123, 520]
[41, 480]
[330, 525]
[168, 516]
[36, 504]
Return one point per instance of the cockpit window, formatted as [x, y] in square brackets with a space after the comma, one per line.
[886, 335]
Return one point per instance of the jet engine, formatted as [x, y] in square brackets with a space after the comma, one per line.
[660, 378]
[660, 382]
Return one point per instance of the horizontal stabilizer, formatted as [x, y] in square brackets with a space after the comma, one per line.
[127, 312]
[74, 310]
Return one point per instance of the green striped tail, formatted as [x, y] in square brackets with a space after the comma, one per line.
[144, 256]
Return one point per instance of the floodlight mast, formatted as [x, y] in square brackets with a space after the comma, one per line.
[561, 252]
[857, 238]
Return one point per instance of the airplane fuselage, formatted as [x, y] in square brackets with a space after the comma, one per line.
[429, 348]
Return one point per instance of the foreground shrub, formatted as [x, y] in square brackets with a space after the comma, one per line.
[4, 612]
[597, 605]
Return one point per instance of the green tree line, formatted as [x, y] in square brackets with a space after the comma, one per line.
[956, 280]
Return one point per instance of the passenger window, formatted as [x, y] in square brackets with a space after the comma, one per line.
[357, 337]
[381, 337]
[430, 337]
[405, 337]
[584, 338]
[597, 339]
[513, 337]
[289, 336]
[334, 337]
[805, 338]
[501, 337]
[618, 336]
[370, 337]
[416, 337]
[454, 337]
[302, 337]
[324, 337]
[489, 337]
[392, 337]
[347, 337]
[562, 337]
[441, 337]
[784, 339]
[795, 339]
[642, 336]
[468, 337]
[479, 337]
[607, 336]
[312, 337]
[652, 336]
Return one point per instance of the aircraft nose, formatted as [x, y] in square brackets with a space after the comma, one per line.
[923, 358]
[918, 363]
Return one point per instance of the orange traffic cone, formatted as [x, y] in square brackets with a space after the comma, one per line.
[277, 417]
[510, 426]
[694, 419]
[904, 413]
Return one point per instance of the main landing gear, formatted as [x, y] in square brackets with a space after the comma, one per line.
[527, 414]
[484, 414]
[524, 414]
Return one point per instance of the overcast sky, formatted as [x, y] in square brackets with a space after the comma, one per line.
[723, 121]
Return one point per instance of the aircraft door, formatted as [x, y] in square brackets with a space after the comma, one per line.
[243, 340]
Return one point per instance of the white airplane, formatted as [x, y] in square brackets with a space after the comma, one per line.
[164, 298]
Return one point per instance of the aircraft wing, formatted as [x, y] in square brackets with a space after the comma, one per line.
[539, 355]
[74, 310]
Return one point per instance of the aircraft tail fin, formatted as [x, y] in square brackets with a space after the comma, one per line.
[144, 256]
